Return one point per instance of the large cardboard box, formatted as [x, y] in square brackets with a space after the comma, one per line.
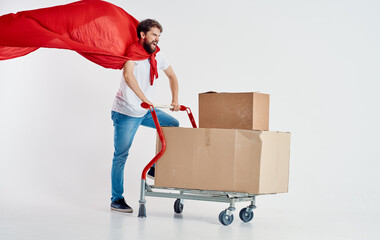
[230, 160]
[234, 110]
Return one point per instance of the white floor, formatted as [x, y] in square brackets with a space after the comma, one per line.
[94, 220]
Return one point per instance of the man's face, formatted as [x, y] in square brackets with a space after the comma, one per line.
[150, 39]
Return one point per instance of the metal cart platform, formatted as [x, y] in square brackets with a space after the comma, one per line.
[226, 216]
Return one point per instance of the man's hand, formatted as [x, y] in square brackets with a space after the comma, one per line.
[148, 102]
[176, 106]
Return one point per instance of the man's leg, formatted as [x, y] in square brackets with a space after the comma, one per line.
[125, 128]
[164, 119]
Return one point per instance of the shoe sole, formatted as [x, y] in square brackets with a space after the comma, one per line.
[122, 210]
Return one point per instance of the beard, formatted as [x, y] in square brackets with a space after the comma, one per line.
[147, 46]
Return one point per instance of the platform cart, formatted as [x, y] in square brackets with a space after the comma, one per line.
[226, 216]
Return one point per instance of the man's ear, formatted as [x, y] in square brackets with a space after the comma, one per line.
[142, 34]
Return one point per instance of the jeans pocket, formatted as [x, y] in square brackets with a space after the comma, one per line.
[114, 116]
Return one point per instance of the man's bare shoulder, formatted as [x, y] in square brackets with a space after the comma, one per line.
[129, 64]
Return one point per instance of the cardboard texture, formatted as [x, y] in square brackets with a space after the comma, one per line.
[230, 160]
[234, 110]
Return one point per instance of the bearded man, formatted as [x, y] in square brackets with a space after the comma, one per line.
[127, 114]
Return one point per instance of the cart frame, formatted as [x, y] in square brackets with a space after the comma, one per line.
[225, 217]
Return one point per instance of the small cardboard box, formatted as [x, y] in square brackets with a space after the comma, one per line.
[231, 160]
[234, 110]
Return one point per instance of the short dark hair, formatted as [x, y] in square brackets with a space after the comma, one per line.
[145, 25]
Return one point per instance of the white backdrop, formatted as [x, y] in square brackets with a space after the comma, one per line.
[319, 61]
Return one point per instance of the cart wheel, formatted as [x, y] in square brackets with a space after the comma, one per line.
[178, 206]
[245, 215]
[225, 219]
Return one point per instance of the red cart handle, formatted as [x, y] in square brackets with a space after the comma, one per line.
[182, 108]
[160, 133]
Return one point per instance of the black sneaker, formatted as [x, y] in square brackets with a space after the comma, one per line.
[151, 173]
[121, 206]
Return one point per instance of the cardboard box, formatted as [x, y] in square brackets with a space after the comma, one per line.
[230, 160]
[234, 110]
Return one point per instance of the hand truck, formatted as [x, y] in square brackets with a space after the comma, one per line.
[226, 217]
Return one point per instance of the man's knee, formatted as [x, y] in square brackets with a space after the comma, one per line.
[175, 123]
[120, 159]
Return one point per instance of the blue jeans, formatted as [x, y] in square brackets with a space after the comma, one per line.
[125, 128]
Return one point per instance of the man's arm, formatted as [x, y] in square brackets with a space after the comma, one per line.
[173, 87]
[131, 81]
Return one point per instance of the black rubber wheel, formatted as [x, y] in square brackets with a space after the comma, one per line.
[225, 219]
[178, 206]
[245, 215]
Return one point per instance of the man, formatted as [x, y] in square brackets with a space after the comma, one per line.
[128, 115]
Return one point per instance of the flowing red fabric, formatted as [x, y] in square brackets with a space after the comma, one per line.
[99, 31]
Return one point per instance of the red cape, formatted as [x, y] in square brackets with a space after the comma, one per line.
[99, 31]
